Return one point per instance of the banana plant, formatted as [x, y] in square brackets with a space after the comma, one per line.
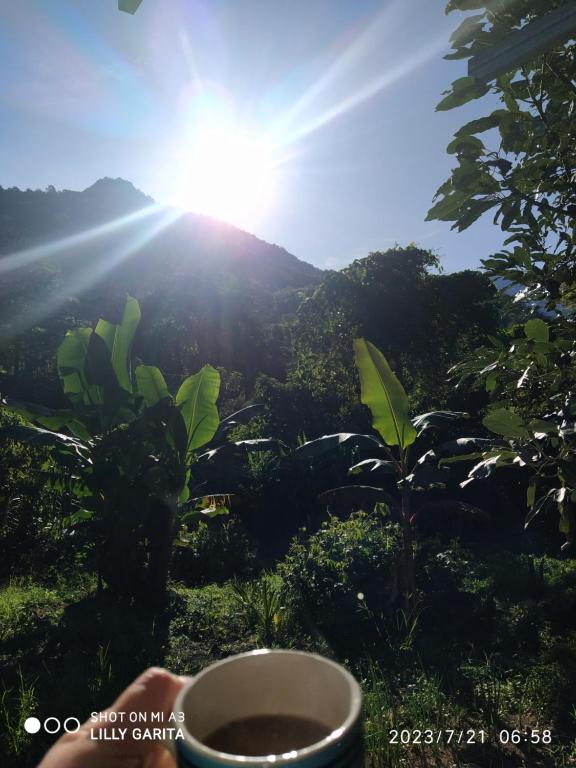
[126, 446]
[397, 462]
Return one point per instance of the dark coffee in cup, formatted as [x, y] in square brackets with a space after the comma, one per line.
[266, 735]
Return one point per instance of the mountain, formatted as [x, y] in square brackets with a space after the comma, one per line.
[190, 241]
[209, 291]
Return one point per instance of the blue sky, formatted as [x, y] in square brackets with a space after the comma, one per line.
[344, 89]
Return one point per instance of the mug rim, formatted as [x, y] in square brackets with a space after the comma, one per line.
[225, 758]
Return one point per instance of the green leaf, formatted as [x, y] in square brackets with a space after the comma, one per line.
[378, 466]
[457, 459]
[68, 450]
[98, 368]
[463, 90]
[538, 506]
[475, 209]
[70, 359]
[50, 419]
[541, 427]
[492, 460]
[243, 416]
[78, 429]
[568, 473]
[356, 496]
[196, 400]
[481, 124]
[107, 332]
[38, 414]
[537, 330]
[119, 340]
[460, 53]
[151, 384]
[491, 382]
[80, 516]
[462, 446]
[427, 477]
[567, 520]
[471, 25]
[465, 5]
[440, 420]
[129, 6]
[384, 395]
[185, 492]
[447, 208]
[506, 423]
[324, 445]
[465, 145]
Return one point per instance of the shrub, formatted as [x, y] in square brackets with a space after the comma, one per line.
[327, 575]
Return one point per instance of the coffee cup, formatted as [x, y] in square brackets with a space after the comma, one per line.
[270, 707]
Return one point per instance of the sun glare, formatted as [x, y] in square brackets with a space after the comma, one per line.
[229, 175]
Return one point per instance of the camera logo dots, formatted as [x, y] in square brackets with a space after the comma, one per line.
[32, 725]
[52, 725]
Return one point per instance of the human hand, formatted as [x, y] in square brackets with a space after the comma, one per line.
[154, 691]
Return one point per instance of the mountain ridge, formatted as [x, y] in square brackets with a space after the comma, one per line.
[28, 218]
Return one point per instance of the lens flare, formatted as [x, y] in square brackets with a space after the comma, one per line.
[230, 175]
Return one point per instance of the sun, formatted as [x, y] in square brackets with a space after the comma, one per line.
[229, 174]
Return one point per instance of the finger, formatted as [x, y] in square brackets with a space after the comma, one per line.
[155, 690]
[152, 693]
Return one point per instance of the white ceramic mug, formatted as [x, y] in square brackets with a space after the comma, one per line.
[271, 682]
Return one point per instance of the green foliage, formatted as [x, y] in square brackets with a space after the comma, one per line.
[196, 400]
[151, 384]
[528, 179]
[421, 705]
[132, 464]
[384, 395]
[16, 705]
[506, 423]
[527, 176]
[463, 90]
[208, 624]
[529, 376]
[119, 339]
[325, 574]
[318, 395]
[21, 604]
[392, 467]
[261, 602]
[215, 550]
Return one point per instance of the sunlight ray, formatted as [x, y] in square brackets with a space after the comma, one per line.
[97, 270]
[344, 62]
[370, 89]
[24, 258]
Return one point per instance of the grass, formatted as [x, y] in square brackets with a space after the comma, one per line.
[60, 647]
[207, 623]
[260, 601]
[16, 705]
[22, 604]
[102, 677]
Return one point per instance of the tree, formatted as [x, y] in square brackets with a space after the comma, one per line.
[396, 300]
[524, 171]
